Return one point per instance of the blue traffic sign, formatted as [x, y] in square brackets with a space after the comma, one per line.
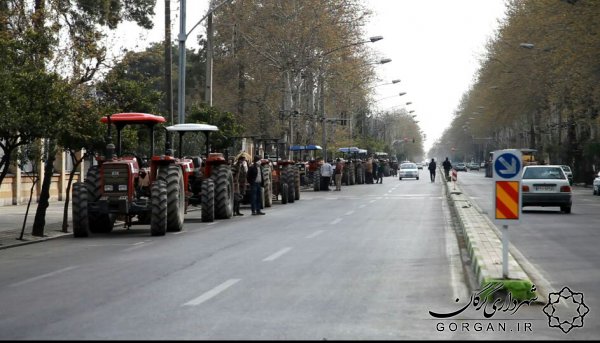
[507, 165]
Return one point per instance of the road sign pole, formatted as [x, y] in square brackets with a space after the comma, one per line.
[505, 251]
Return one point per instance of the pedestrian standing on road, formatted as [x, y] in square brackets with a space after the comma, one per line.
[380, 169]
[256, 182]
[369, 171]
[326, 173]
[375, 171]
[431, 167]
[240, 172]
[339, 167]
[447, 166]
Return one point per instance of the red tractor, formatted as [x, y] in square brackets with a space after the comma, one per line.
[208, 183]
[120, 186]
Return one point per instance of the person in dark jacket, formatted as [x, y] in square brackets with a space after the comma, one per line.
[447, 166]
[431, 167]
[256, 182]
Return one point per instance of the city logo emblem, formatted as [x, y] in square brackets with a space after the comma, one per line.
[563, 320]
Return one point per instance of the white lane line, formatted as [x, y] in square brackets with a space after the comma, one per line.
[372, 201]
[277, 254]
[213, 223]
[212, 293]
[137, 245]
[362, 206]
[315, 234]
[42, 276]
[178, 233]
[349, 213]
[335, 221]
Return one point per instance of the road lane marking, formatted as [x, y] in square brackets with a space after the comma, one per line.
[178, 233]
[315, 234]
[349, 213]
[213, 223]
[362, 206]
[372, 201]
[43, 276]
[212, 293]
[277, 254]
[138, 245]
[335, 221]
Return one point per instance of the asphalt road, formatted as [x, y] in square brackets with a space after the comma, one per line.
[365, 263]
[564, 248]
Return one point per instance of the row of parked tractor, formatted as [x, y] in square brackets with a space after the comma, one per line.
[160, 190]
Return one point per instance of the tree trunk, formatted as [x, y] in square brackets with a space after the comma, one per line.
[65, 225]
[40, 214]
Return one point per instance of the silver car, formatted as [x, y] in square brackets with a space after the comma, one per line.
[546, 185]
[568, 173]
[408, 170]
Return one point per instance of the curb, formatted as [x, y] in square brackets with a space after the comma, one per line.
[485, 248]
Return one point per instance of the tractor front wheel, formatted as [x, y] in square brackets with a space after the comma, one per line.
[158, 220]
[207, 199]
[81, 223]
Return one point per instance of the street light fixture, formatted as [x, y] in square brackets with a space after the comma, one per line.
[527, 45]
[401, 94]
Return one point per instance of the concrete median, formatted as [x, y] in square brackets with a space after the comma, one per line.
[485, 247]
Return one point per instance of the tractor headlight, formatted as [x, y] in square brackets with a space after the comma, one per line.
[108, 188]
[122, 188]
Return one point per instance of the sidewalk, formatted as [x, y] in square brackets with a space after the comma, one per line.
[11, 223]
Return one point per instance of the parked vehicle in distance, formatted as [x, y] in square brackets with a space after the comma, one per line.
[568, 172]
[473, 166]
[596, 184]
[408, 170]
[461, 166]
[546, 185]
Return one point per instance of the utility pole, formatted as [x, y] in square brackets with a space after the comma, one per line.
[209, 57]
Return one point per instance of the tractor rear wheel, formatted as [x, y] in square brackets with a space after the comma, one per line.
[317, 180]
[207, 199]
[283, 189]
[81, 223]
[173, 177]
[296, 182]
[223, 192]
[268, 190]
[158, 196]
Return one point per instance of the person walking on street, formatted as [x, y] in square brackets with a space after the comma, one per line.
[432, 166]
[240, 171]
[339, 167]
[326, 173]
[256, 182]
[447, 166]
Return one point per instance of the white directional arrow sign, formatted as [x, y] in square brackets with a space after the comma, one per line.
[510, 167]
[507, 164]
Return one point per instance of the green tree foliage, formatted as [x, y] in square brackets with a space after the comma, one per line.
[228, 126]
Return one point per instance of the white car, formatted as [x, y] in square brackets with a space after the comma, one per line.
[568, 172]
[596, 185]
[546, 185]
[408, 170]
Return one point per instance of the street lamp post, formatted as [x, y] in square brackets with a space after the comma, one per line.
[182, 38]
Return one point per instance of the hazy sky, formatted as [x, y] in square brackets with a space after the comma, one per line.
[434, 45]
